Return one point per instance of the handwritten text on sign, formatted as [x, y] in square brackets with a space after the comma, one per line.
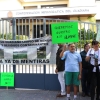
[7, 79]
[65, 32]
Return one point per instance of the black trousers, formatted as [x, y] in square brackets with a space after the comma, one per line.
[84, 80]
[95, 83]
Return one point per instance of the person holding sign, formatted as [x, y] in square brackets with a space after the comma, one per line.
[60, 70]
[73, 69]
[94, 56]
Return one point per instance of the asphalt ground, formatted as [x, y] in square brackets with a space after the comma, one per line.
[12, 94]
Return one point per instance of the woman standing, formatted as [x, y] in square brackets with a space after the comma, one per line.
[94, 56]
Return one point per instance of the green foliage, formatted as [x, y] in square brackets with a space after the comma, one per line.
[6, 36]
[9, 36]
[81, 43]
[85, 36]
[21, 37]
[20, 56]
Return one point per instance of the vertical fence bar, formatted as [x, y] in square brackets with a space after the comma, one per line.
[14, 29]
[39, 28]
[6, 30]
[3, 38]
[25, 28]
[22, 29]
[44, 27]
[87, 32]
[0, 27]
[3, 29]
[14, 38]
[36, 29]
[80, 35]
[49, 27]
[18, 24]
[32, 28]
[93, 31]
[0, 38]
[84, 34]
[29, 28]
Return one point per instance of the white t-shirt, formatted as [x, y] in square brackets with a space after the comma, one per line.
[92, 53]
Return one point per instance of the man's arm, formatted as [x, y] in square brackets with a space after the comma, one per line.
[80, 66]
[64, 49]
[80, 70]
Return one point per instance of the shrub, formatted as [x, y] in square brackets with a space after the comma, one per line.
[87, 34]
[9, 36]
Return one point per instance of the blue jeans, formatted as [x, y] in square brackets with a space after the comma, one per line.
[85, 83]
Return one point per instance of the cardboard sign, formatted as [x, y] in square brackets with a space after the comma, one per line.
[64, 32]
[7, 79]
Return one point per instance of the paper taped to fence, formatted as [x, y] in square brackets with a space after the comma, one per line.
[7, 79]
[36, 51]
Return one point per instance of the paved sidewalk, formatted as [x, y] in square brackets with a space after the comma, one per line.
[33, 95]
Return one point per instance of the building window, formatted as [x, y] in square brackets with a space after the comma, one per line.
[54, 6]
[30, 7]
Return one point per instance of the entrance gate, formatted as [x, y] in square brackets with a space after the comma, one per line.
[36, 76]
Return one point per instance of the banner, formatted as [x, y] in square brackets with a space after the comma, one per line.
[64, 32]
[37, 51]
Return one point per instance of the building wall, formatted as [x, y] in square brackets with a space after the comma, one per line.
[45, 3]
[97, 16]
[10, 5]
[74, 3]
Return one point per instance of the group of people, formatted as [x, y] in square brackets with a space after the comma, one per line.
[73, 68]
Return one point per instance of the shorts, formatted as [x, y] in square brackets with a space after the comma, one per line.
[71, 78]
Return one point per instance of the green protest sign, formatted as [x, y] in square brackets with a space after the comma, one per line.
[7, 79]
[64, 32]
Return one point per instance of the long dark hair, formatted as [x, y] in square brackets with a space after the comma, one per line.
[94, 42]
[85, 45]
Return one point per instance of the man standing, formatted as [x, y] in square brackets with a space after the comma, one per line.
[85, 73]
[94, 56]
[73, 68]
[60, 70]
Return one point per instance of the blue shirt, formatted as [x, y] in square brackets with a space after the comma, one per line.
[72, 61]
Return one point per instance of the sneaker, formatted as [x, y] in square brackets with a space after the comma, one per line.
[68, 98]
[59, 95]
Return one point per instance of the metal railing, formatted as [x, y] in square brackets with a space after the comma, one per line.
[31, 28]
